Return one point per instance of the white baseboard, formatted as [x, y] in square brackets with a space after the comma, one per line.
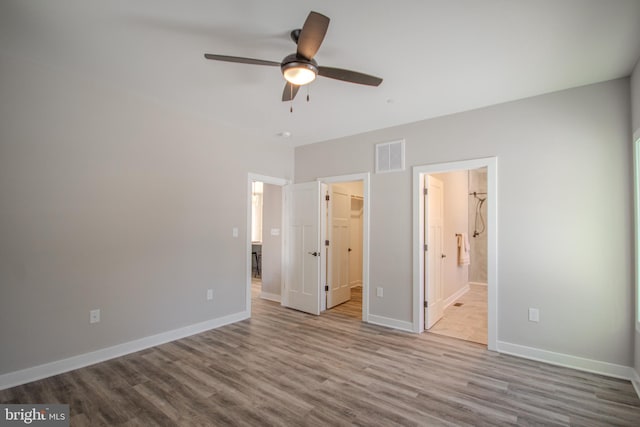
[35, 373]
[270, 296]
[478, 283]
[568, 361]
[635, 380]
[463, 290]
[390, 323]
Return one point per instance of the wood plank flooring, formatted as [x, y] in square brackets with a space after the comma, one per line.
[286, 368]
[353, 307]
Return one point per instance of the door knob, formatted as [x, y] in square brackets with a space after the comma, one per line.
[349, 249]
[443, 256]
[314, 253]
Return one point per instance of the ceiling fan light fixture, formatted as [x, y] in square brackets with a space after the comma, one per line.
[299, 73]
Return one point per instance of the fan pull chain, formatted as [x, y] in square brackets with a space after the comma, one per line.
[307, 93]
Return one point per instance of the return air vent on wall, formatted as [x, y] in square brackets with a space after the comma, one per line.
[390, 156]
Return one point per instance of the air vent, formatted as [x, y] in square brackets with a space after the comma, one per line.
[390, 156]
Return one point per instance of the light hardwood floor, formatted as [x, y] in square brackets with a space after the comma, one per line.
[287, 368]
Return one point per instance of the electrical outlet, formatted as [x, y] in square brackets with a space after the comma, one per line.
[94, 316]
[379, 292]
[209, 294]
[534, 315]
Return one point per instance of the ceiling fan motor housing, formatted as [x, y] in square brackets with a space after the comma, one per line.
[295, 64]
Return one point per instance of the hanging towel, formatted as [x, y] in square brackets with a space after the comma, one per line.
[463, 249]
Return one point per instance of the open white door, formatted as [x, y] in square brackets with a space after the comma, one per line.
[433, 202]
[339, 234]
[302, 247]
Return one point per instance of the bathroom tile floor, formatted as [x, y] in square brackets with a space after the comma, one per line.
[467, 321]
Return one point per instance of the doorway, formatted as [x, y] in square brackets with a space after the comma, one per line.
[358, 206]
[423, 291]
[264, 238]
[358, 190]
[456, 261]
[306, 260]
[343, 211]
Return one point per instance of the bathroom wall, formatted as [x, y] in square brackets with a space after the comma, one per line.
[455, 276]
[478, 267]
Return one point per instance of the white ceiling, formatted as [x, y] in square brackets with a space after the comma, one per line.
[436, 57]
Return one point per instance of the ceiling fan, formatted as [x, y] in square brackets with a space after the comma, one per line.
[300, 68]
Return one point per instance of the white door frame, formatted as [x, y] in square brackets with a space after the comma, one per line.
[636, 185]
[492, 240]
[365, 178]
[434, 282]
[267, 180]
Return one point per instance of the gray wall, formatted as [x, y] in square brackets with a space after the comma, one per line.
[271, 245]
[109, 200]
[564, 244]
[635, 97]
[635, 111]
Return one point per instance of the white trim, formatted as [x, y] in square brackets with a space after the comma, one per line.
[491, 163]
[267, 180]
[635, 381]
[391, 323]
[635, 146]
[458, 294]
[270, 297]
[366, 194]
[478, 283]
[568, 361]
[324, 190]
[35, 373]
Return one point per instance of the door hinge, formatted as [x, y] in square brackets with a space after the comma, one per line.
[326, 288]
[326, 243]
[426, 304]
[426, 248]
[327, 197]
[426, 191]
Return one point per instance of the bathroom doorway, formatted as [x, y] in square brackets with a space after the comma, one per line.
[455, 278]
[457, 273]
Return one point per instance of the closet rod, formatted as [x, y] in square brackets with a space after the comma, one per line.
[476, 193]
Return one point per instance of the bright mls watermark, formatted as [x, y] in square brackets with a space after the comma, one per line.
[55, 415]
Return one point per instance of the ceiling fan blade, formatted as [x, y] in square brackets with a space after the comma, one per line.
[312, 34]
[349, 76]
[241, 60]
[290, 91]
